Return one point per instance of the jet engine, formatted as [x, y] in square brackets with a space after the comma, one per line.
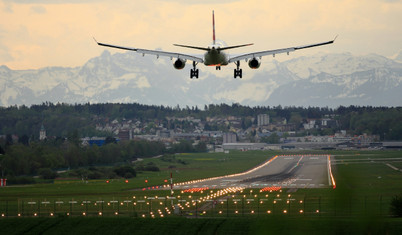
[179, 64]
[254, 63]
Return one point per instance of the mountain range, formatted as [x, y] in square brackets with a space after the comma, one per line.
[323, 80]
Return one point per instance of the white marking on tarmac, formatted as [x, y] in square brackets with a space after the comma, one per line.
[392, 167]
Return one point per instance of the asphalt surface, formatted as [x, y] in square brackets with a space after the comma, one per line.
[296, 171]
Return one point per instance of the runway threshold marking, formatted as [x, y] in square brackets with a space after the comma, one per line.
[297, 164]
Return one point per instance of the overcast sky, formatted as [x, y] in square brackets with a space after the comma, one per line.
[41, 33]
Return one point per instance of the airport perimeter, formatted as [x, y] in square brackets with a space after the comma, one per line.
[286, 185]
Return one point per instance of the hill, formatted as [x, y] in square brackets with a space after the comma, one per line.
[324, 80]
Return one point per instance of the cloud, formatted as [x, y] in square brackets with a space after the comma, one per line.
[38, 9]
[52, 1]
[391, 1]
[4, 54]
[61, 31]
[4, 50]
[7, 7]
[200, 2]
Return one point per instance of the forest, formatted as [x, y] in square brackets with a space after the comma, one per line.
[19, 162]
[62, 120]
[26, 156]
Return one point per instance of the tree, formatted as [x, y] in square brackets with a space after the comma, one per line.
[110, 140]
[125, 171]
[201, 147]
[9, 140]
[272, 139]
[47, 173]
[396, 206]
[24, 140]
[73, 137]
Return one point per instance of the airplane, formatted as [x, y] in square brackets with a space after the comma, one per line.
[215, 55]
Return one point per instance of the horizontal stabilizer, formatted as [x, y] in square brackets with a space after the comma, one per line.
[232, 47]
[192, 47]
[219, 48]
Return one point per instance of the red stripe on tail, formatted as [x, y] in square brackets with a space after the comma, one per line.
[213, 27]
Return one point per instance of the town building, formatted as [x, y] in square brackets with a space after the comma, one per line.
[262, 119]
[42, 133]
[229, 137]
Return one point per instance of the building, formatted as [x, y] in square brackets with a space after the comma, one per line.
[229, 137]
[164, 133]
[124, 135]
[243, 146]
[93, 141]
[42, 133]
[262, 119]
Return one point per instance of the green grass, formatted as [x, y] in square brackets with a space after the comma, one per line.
[272, 225]
[202, 165]
[359, 204]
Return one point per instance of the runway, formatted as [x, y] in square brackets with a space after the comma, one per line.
[286, 171]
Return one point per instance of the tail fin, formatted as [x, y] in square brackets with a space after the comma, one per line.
[213, 27]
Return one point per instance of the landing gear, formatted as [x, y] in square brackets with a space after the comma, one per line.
[194, 71]
[218, 67]
[238, 72]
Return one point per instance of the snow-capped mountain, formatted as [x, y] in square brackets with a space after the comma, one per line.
[320, 80]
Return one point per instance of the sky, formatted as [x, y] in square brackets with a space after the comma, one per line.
[41, 33]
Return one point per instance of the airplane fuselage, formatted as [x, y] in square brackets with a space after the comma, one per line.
[215, 58]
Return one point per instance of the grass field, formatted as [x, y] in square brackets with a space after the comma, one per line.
[202, 165]
[360, 202]
[273, 225]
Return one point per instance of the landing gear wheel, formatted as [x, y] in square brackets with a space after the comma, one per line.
[194, 71]
[218, 67]
[238, 72]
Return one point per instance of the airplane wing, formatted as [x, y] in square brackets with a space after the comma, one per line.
[155, 52]
[277, 51]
